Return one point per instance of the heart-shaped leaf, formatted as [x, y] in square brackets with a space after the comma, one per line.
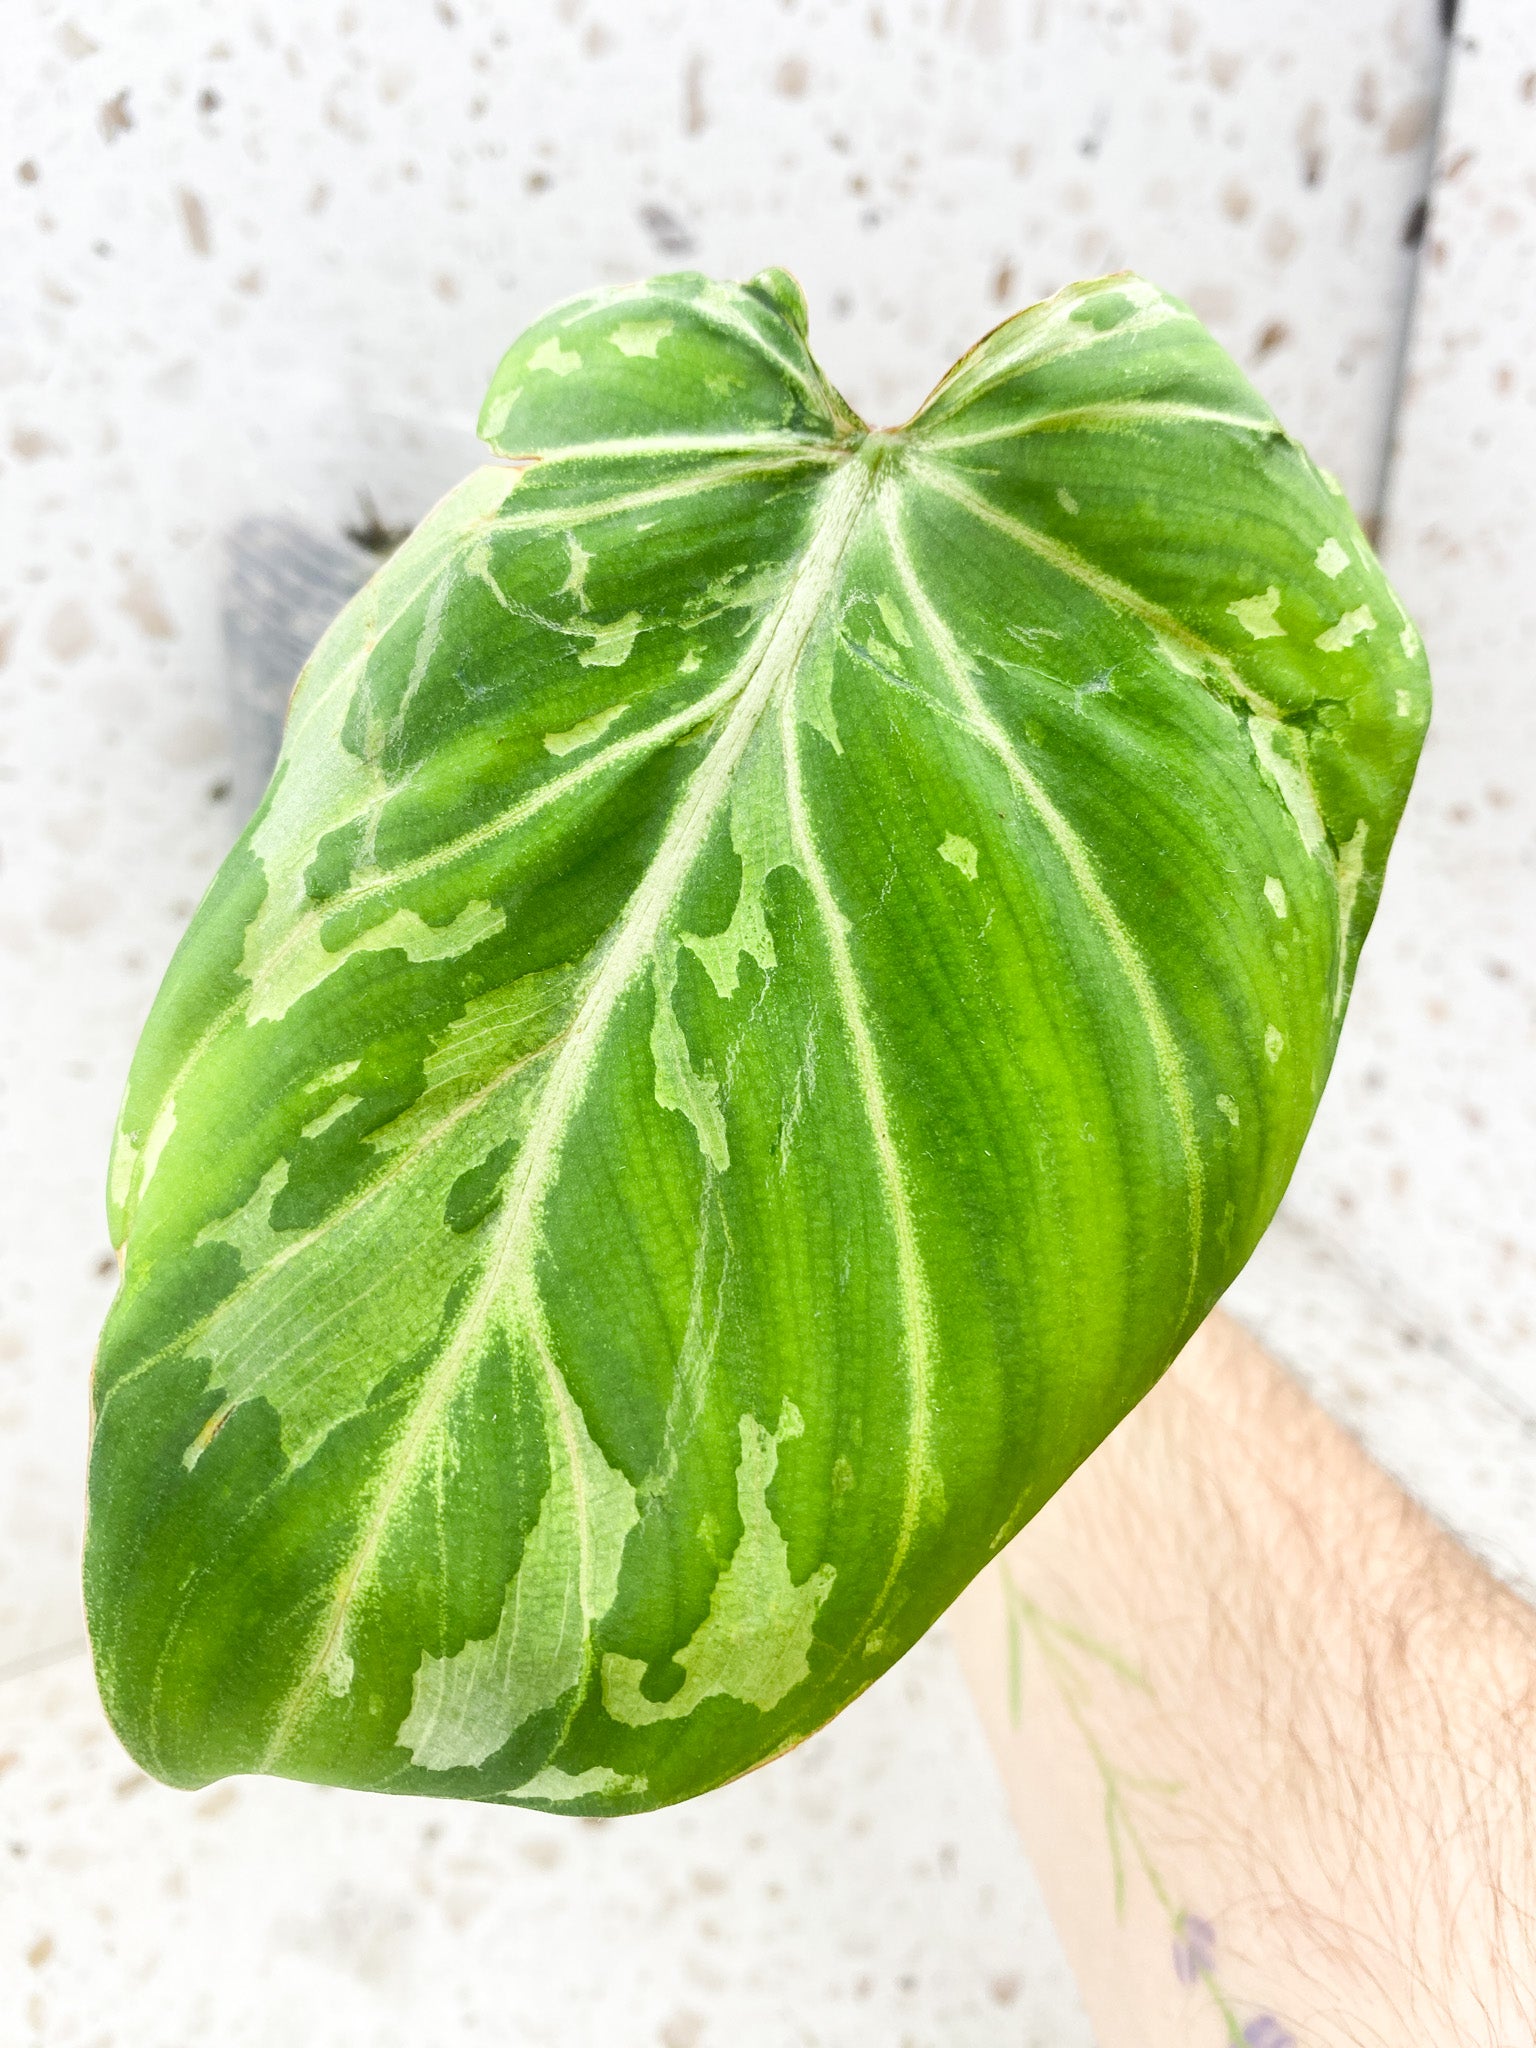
[782, 970]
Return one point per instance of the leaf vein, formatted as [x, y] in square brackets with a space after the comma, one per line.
[1107, 414]
[1075, 857]
[912, 1280]
[772, 656]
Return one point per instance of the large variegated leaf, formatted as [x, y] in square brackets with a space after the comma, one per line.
[782, 970]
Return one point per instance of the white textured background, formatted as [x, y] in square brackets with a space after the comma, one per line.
[264, 258]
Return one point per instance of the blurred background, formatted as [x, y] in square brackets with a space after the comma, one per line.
[258, 263]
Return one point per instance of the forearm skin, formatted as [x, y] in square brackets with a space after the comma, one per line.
[1267, 1731]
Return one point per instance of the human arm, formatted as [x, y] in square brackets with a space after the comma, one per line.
[1267, 1731]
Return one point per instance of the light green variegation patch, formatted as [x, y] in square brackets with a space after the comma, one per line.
[1347, 630]
[755, 1644]
[960, 853]
[248, 1230]
[640, 337]
[1256, 615]
[589, 729]
[550, 356]
[466, 1706]
[309, 961]
[678, 1086]
[761, 841]
[782, 970]
[553, 1787]
[612, 642]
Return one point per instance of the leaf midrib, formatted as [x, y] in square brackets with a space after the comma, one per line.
[305, 708]
[774, 658]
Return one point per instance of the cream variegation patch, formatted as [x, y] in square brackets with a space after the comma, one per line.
[549, 355]
[612, 642]
[895, 624]
[761, 840]
[249, 1228]
[1282, 756]
[679, 1084]
[589, 729]
[1347, 873]
[640, 337]
[754, 1644]
[278, 983]
[465, 1707]
[1256, 615]
[578, 563]
[554, 1787]
[327, 1117]
[960, 853]
[1347, 630]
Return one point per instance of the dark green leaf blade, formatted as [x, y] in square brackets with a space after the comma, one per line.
[782, 971]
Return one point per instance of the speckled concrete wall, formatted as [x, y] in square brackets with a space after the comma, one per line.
[1402, 1280]
[262, 260]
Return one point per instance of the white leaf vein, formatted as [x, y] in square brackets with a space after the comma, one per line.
[1096, 901]
[509, 1273]
[913, 1293]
